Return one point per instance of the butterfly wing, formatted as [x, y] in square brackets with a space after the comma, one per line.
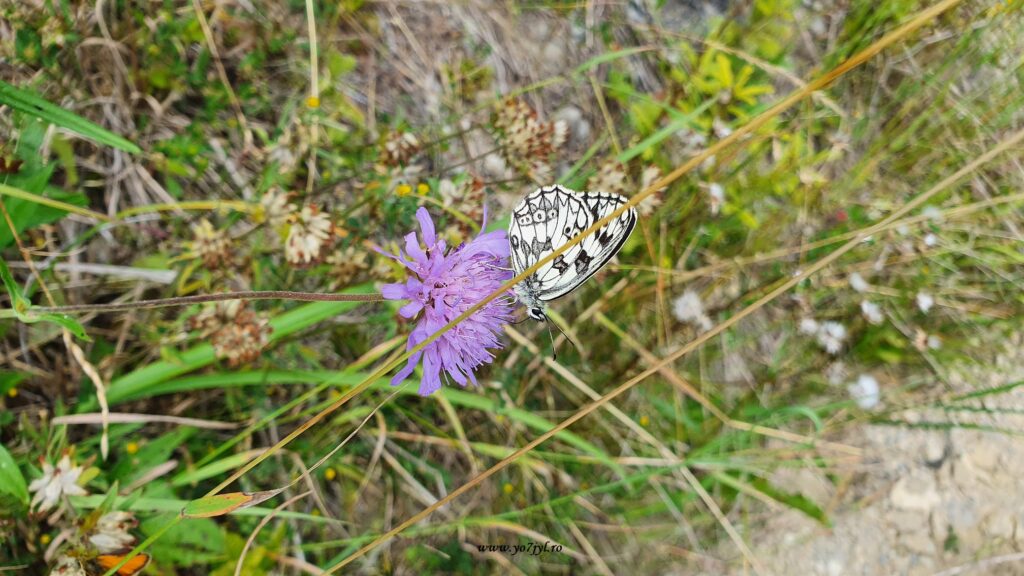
[130, 568]
[549, 218]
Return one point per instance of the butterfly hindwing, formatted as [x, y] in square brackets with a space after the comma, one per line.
[552, 216]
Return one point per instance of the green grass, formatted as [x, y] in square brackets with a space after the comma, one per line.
[679, 464]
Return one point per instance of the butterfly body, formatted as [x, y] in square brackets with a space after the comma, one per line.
[547, 219]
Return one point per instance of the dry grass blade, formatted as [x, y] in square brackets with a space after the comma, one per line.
[684, 386]
[861, 57]
[1003, 146]
[263, 522]
[129, 418]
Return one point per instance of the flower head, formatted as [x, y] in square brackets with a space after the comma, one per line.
[276, 208]
[308, 236]
[445, 283]
[212, 246]
[111, 532]
[865, 391]
[237, 334]
[688, 308]
[527, 140]
[831, 336]
[68, 566]
[56, 480]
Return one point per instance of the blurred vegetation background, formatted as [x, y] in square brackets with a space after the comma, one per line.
[206, 146]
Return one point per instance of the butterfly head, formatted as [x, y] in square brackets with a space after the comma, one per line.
[537, 313]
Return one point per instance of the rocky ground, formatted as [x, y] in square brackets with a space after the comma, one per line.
[943, 502]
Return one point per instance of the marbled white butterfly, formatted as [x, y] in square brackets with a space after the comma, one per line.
[548, 218]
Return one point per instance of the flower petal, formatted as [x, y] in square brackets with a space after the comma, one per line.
[426, 226]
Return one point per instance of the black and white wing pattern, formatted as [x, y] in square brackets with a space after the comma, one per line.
[548, 218]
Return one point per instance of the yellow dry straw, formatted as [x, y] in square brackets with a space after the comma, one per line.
[860, 58]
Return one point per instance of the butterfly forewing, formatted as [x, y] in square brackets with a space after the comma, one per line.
[550, 217]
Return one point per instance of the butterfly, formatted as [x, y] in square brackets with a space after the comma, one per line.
[547, 219]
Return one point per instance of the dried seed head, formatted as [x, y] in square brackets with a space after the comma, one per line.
[398, 148]
[212, 246]
[526, 140]
[346, 265]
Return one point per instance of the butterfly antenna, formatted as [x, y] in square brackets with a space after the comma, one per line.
[554, 355]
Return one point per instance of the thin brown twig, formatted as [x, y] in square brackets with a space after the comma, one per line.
[201, 298]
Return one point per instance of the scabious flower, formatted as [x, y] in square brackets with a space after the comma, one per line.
[55, 481]
[445, 283]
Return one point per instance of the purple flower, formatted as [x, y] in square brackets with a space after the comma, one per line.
[444, 284]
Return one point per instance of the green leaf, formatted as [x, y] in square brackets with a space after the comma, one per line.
[64, 321]
[23, 307]
[12, 483]
[19, 303]
[222, 504]
[29, 103]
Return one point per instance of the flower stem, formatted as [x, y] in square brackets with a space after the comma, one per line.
[186, 300]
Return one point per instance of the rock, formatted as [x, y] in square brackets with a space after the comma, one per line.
[1000, 525]
[919, 542]
[494, 166]
[579, 127]
[985, 455]
[936, 448]
[909, 522]
[916, 491]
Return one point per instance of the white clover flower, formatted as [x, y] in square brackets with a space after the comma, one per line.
[276, 208]
[858, 283]
[924, 301]
[689, 309]
[307, 236]
[809, 326]
[931, 239]
[865, 391]
[934, 342]
[871, 311]
[112, 532]
[68, 566]
[831, 336]
[55, 482]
